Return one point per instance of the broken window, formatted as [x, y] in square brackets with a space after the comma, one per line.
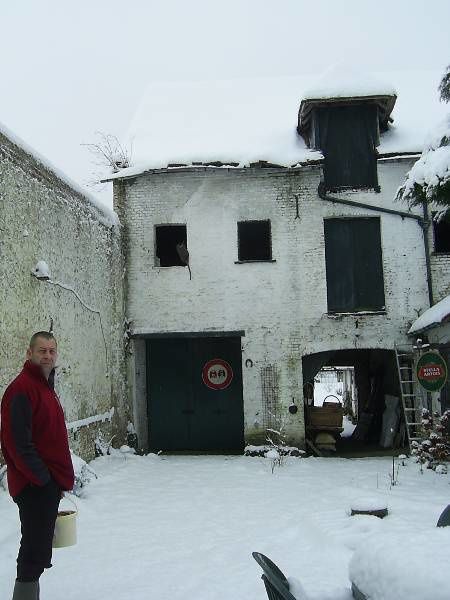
[354, 264]
[441, 234]
[167, 238]
[254, 240]
[347, 136]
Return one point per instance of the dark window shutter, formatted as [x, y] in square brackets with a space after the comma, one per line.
[339, 264]
[354, 265]
[347, 136]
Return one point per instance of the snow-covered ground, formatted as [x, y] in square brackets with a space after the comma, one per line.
[184, 527]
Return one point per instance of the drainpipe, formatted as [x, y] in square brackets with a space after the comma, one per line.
[425, 225]
[422, 221]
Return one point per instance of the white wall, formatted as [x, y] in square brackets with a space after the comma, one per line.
[42, 218]
[282, 305]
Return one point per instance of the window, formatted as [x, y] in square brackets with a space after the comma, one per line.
[354, 265]
[347, 136]
[167, 238]
[441, 231]
[254, 240]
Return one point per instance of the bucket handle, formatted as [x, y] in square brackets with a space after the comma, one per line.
[66, 497]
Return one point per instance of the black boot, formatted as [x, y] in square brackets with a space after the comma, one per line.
[26, 590]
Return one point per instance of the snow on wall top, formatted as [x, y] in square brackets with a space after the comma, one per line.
[105, 215]
[339, 82]
[432, 317]
[246, 121]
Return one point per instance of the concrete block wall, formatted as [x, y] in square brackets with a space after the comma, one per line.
[281, 305]
[43, 218]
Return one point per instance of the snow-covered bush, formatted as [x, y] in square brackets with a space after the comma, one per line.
[433, 452]
[444, 86]
[83, 474]
[132, 438]
[276, 439]
[102, 446]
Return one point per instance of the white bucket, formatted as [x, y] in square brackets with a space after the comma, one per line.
[66, 527]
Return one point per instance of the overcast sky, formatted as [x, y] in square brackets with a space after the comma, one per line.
[70, 69]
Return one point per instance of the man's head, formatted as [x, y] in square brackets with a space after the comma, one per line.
[43, 351]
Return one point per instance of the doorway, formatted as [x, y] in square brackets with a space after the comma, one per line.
[365, 387]
[194, 394]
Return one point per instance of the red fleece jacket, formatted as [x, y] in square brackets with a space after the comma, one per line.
[33, 432]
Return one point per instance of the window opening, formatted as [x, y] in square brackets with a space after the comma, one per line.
[254, 240]
[167, 238]
[441, 234]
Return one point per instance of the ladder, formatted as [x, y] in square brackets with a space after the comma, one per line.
[411, 400]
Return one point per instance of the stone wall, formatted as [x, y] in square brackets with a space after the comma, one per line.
[281, 305]
[43, 218]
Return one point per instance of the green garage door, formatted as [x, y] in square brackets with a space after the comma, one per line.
[195, 394]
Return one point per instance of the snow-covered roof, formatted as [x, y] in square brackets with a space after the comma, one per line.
[340, 82]
[243, 121]
[432, 317]
[107, 216]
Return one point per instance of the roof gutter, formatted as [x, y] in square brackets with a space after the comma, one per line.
[405, 215]
[422, 221]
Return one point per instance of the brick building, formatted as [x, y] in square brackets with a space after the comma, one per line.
[299, 257]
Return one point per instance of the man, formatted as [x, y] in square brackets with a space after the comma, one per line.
[36, 450]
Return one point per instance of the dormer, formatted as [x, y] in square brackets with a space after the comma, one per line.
[344, 121]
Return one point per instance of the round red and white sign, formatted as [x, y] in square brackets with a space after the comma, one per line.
[217, 374]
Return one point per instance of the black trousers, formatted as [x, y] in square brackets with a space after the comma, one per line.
[38, 509]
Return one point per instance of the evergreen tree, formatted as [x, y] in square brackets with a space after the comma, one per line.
[429, 178]
[444, 86]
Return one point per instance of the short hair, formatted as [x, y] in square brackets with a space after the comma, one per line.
[47, 335]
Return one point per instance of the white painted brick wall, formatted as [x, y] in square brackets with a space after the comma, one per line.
[282, 306]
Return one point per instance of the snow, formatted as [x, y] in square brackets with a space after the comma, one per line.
[243, 121]
[368, 503]
[432, 316]
[180, 527]
[411, 565]
[433, 167]
[75, 425]
[272, 454]
[104, 214]
[344, 81]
